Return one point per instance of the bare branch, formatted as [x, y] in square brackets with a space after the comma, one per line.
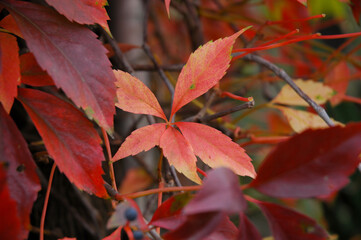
[284, 76]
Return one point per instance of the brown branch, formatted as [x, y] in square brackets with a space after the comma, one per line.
[169, 68]
[122, 61]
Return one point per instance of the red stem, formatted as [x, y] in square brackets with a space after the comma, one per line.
[265, 140]
[351, 99]
[43, 214]
[203, 173]
[233, 96]
[296, 20]
[110, 162]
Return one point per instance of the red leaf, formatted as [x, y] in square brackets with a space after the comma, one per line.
[356, 9]
[288, 224]
[197, 226]
[9, 222]
[313, 163]
[338, 79]
[10, 71]
[179, 153]
[72, 56]
[205, 67]
[134, 96]
[9, 24]
[247, 231]
[135, 179]
[169, 215]
[221, 183]
[69, 137]
[167, 3]
[225, 230]
[82, 11]
[31, 73]
[22, 179]
[216, 149]
[141, 139]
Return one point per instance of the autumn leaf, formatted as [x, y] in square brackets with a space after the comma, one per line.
[83, 11]
[332, 154]
[9, 222]
[214, 148]
[31, 73]
[136, 179]
[134, 96]
[10, 71]
[247, 230]
[302, 120]
[205, 216]
[288, 224]
[204, 68]
[135, 143]
[69, 138]
[338, 79]
[167, 3]
[22, 180]
[179, 153]
[9, 24]
[317, 91]
[73, 57]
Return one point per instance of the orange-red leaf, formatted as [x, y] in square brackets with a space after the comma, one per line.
[10, 71]
[21, 176]
[216, 149]
[31, 73]
[69, 137]
[179, 153]
[338, 79]
[72, 56]
[167, 3]
[9, 24]
[136, 179]
[9, 221]
[205, 67]
[134, 96]
[141, 139]
[82, 11]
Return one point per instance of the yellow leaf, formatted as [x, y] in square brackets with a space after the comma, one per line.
[317, 91]
[302, 120]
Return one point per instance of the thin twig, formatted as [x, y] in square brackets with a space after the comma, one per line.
[159, 69]
[169, 68]
[121, 59]
[43, 214]
[109, 159]
[243, 106]
[120, 197]
[284, 76]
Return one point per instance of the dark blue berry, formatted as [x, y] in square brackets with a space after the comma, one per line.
[138, 235]
[131, 214]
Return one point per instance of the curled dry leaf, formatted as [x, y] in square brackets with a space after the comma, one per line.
[317, 91]
[301, 120]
